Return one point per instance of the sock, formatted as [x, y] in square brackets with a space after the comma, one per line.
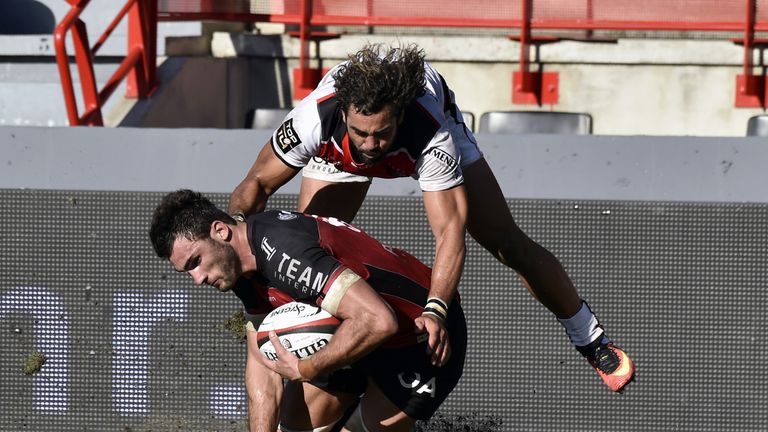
[583, 328]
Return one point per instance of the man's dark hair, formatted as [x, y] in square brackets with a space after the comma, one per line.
[183, 213]
[377, 76]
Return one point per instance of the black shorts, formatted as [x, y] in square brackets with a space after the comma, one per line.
[406, 375]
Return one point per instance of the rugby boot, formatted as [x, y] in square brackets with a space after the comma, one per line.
[611, 362]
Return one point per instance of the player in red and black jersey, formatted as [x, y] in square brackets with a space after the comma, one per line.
[388, 113]
[377, 292]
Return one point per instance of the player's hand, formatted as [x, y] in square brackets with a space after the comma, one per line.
[438, 346]
[286, 364]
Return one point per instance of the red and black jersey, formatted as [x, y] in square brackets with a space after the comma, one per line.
[299, 256]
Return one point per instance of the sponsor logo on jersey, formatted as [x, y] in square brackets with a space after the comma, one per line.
[300, 276]
[325, 166]
[286, 135]
[448, 160]
[286, 216]
[269, 250]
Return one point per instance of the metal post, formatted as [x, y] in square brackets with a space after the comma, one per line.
[532, 87]
[304, 35]
[91, 102]
[750, 88]
[526, 82]
[749, 38]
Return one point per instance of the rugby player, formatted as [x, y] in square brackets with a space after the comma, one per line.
[386, 113]
[377, 358]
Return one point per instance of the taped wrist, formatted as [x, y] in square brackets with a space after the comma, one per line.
[436, 307]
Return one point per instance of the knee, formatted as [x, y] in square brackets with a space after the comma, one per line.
[516, 250]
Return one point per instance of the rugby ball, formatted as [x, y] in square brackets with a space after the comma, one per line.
[302, 328]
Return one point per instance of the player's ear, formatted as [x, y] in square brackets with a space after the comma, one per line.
[221, 231]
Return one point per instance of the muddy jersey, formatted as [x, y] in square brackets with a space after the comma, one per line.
[423, 149]
[298, 257]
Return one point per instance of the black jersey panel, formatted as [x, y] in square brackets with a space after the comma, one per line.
[417, 130]
[331, 120]
[289, 255]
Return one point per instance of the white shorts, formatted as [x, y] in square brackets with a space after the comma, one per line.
[463, 138]
[320, 169]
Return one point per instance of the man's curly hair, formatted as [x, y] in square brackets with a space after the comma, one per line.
[183, 213]
[377, 76]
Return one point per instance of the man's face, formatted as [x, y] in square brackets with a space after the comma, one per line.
[371, 136]
[208, 261]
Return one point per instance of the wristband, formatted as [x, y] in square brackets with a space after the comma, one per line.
[239, 216]
[435, 312]
[437, 302]
[436, 307]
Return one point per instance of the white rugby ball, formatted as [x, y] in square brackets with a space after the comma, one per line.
[302, 328]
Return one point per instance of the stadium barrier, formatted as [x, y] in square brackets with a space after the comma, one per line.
[672, 258]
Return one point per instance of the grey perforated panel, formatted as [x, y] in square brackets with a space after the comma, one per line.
[130, 345]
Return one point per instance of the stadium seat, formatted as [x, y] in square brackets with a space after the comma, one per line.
[265, 118]
[758, 126]
[535, 122]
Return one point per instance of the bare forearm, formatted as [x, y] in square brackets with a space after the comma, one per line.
[266, 175]
[447, 213]
[264, 388]
[248, 197]
[264, 393]
[354, 339]
[447, 268]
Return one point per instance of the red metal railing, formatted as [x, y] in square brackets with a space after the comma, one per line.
[138, 66]
[528, 20]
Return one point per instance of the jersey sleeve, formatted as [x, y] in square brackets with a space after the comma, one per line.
[298, 137]
[438, 167]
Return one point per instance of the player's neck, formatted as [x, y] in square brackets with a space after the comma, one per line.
[243, 247]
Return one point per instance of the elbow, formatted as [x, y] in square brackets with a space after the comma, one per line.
[385, 325]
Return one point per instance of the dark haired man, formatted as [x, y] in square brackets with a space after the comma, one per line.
[277, 257]
[387, 113]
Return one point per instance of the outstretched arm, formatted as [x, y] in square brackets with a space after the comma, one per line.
[267, 174]
[447, 214]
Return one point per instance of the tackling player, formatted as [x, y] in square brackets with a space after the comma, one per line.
[387, 113]
[377, 292]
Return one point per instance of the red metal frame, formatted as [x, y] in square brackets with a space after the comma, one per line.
[139, 63]
[529, 86]
[750, 88]
[532, 87]
[305, 78]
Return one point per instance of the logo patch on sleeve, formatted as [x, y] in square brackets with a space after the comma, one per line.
[286, 136]
[447, 160]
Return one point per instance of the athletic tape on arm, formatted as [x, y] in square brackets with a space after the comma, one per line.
[338, 290]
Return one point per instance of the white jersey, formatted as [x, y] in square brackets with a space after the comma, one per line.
[431, 146]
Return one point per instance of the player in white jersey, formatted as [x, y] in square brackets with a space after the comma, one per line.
[387, 113]
[430, 143]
